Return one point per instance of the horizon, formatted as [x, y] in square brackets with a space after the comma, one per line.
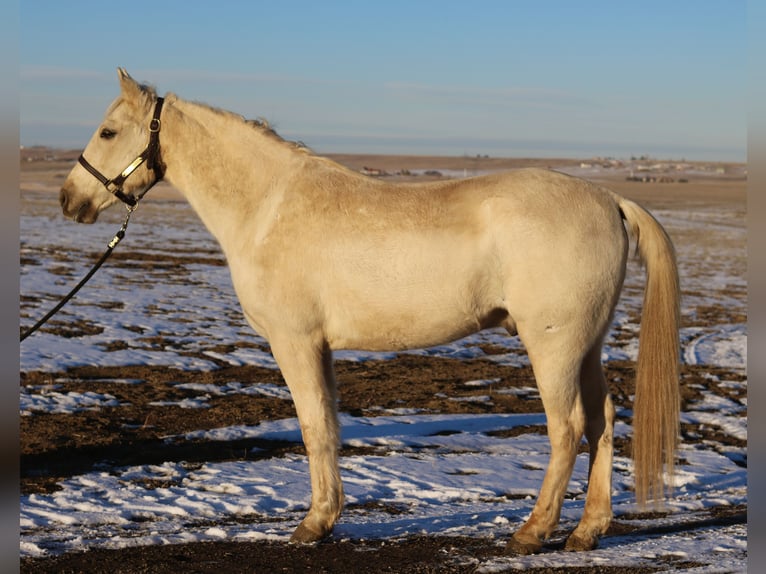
[626, 158]
[518, 79]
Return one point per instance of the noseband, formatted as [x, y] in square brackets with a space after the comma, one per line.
[150, 155]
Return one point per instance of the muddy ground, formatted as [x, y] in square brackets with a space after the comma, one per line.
[56, 446]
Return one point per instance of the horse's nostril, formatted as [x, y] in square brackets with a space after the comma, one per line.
[63, 198]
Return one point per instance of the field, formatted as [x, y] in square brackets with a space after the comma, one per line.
[158, 436]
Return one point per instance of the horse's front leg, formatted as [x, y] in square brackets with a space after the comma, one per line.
[308, 370]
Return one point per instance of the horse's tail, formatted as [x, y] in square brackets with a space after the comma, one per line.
[657, 403]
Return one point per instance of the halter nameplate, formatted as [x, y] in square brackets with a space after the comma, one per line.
[132, 167]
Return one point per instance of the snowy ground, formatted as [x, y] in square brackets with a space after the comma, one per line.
[446, 474]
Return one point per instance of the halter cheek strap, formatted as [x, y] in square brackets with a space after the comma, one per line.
[150, 155]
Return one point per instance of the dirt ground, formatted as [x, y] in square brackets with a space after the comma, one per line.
[55, 446]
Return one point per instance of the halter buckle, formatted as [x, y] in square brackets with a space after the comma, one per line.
[112, 187]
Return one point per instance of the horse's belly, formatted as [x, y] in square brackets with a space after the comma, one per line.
[403, 335]
[415, 294]
[416, 322]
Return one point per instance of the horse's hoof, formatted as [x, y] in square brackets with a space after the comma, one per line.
[515, 547]
[578, 544]
[306, 535]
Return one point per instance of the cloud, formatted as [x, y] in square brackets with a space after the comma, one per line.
[58, 73]
[226, 77]
[481, 96]
[153, 75]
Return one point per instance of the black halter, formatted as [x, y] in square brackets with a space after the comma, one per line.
[150, 155]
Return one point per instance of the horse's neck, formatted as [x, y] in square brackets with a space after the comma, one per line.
[220, 164]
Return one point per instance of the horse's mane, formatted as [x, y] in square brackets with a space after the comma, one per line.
[264, 127]
[260, 124]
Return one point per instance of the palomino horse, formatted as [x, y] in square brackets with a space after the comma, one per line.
[323, 258]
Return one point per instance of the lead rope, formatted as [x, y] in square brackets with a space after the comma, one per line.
[109, 248]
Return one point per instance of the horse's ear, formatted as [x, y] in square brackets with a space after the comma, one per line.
[130, 88]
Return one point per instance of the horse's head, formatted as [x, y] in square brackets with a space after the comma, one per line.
[121, 140]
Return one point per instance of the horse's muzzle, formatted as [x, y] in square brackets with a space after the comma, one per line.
[80, 211]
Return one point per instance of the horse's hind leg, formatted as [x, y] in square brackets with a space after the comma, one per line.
[556, 361]
[599, 431]
[308, 370]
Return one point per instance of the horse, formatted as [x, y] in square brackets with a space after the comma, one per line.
[323, 258]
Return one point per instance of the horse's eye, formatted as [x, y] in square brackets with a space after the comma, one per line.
[107, 134]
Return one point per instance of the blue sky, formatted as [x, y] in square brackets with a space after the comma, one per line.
[503, 78]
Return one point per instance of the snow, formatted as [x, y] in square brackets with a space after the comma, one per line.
[446, 474]
[462, 484]
[47, 400]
